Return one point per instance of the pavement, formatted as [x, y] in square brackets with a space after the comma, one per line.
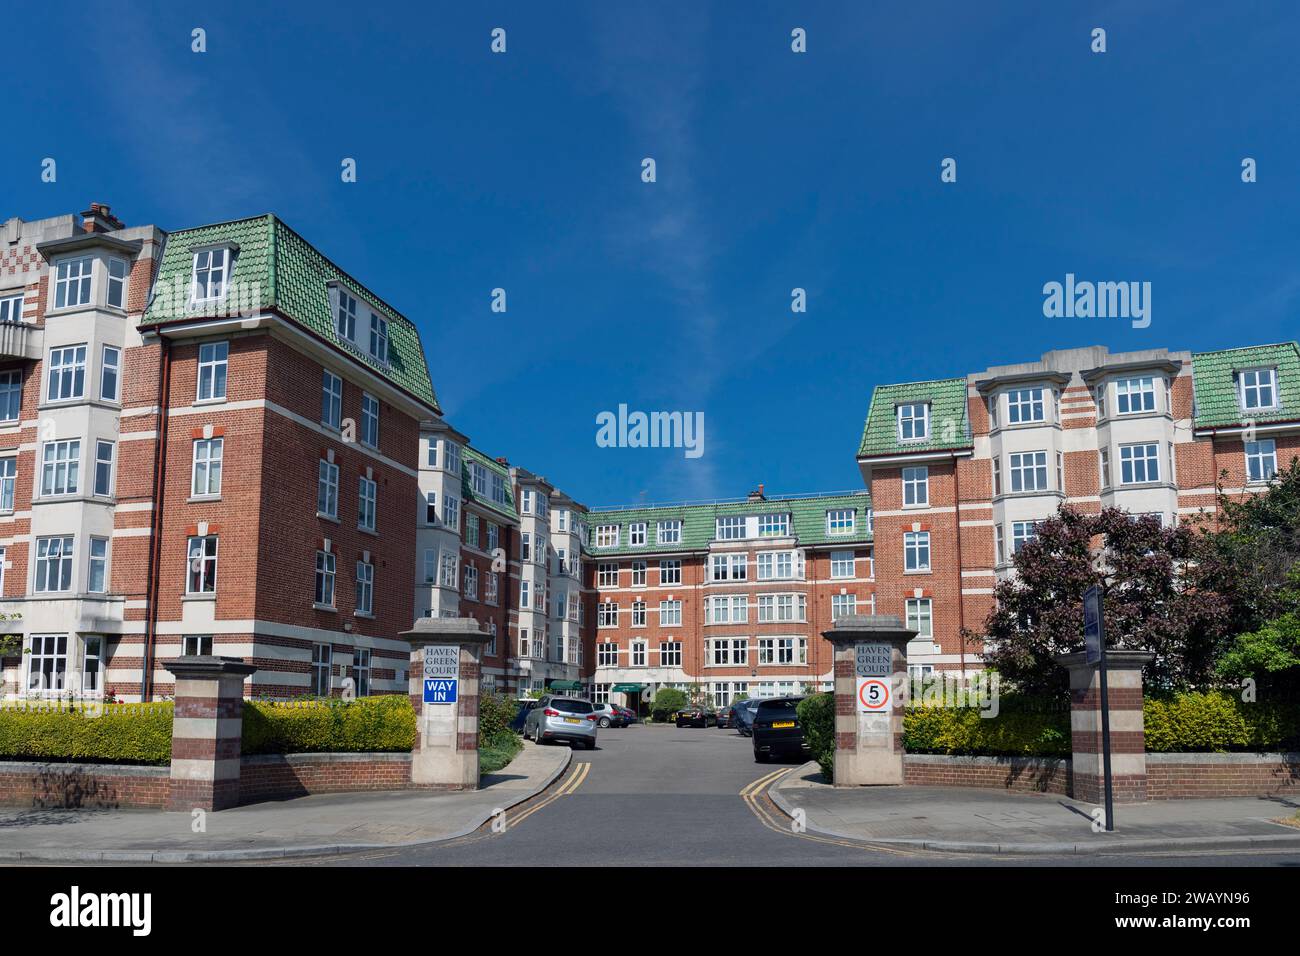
[973, 820]
[314, 826]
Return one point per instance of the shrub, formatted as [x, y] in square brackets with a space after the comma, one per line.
[817, 717]
[122, 733]
[1218, 722]
[495, 712]
[1020, 729]
[331, 725]
[666, 701]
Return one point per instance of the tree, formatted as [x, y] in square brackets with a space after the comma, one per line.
[1269, 655]
[1151, 603]
[1252, 546]
[667, 700]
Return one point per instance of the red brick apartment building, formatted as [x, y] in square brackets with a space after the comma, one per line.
[960, 469]
[731, 595]
[210, 445]
[214, 440]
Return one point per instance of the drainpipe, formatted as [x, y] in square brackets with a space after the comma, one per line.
[961, 601]
[155, 522]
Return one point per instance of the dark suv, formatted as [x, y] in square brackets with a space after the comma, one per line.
[777, 730]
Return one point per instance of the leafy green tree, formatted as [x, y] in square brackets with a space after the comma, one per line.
[667, 700]
[1270, 654]
[1252, 547]
[1151, 603]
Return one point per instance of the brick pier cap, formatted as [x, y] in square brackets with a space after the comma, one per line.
[446, 735]
[868, 746]
[207, 731]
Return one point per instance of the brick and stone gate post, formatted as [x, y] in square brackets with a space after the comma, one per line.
[870, 684]
[1128, 756]
[207, 729]
[444, 686]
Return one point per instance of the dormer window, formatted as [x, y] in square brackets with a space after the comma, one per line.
[913, 422]
[774, 525]
[1024, 405]
[347, 316]
[1257, 388]
[211, 275]
[379, 338]
[72, 282]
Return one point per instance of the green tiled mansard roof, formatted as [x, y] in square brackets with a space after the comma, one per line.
[494, 467]
[949, 428]
[807, 521]
[275, 268]
[1214, 378]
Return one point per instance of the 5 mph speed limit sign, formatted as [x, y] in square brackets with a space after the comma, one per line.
[873, 694]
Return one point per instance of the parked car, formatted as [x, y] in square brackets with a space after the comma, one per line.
[628, 715]
[607, 715]
[570, 719]
[777, 731]
[695, 715]
[525, 705]
[745, 716]
[727, 716]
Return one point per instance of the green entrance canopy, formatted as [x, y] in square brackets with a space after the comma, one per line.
[565, 685]
[628, 688]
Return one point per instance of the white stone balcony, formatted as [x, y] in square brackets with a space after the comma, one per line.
[20, 340]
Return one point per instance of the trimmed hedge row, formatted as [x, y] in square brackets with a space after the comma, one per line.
[1219, 722]
[1014, 732]
[120, 733]
[364, 725]
[1189, 722]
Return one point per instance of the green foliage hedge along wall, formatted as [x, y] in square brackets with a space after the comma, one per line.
[107, 733]
[367, 724]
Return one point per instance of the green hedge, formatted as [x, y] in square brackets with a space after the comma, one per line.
[1219, 722]
[817, 718]
[121, 733]
[1015, 732]
[364, 725]
[495, 712]
[667, 700]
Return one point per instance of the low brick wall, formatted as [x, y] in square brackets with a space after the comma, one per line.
[283, 776]
[262, 777]
[1206, 776]
[82, 785]
[1029, 774]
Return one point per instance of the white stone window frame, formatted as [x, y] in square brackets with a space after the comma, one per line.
[219, 359]
[64, 361]
[916, 484]
[1027, 405]
[1027, 464]
[1141, 388]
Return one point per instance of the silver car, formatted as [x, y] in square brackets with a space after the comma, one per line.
[570, 719]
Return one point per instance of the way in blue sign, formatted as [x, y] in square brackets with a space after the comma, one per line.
[437, 691]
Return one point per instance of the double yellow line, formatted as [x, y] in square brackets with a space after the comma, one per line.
[752, 795]
[571, 784]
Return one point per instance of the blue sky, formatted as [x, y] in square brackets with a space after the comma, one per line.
[775, 170]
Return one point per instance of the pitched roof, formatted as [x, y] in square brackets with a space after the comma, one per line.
[807, 520]
[1214, 377]
[949, 428]
[494, 467]
[275, 268]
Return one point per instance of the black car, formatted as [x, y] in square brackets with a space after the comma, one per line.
[777, 731]
[695, 715]
[744, 716]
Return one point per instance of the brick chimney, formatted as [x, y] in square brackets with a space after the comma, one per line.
[98, 218]
[757, 494]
